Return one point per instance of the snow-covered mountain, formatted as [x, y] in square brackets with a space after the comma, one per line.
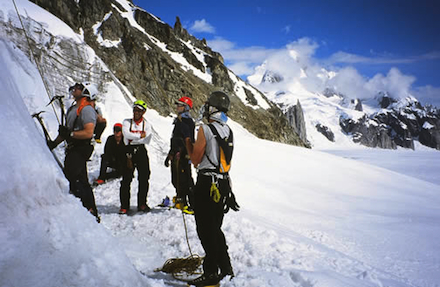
[341, 108]
[107, 41]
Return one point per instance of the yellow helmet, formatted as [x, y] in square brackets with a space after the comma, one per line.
[140, 104]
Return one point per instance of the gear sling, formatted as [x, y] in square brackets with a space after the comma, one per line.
[226, 148]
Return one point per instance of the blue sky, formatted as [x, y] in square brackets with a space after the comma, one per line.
[370, 36]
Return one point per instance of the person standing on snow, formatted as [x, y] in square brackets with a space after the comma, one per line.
[137, 133]
[78, 132]
[113, 156]
[212, 194]
[180, 165]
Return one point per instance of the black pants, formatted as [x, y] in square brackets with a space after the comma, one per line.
[99, 129]
[209, 219]
[182, 179]
[75, 170]
[141, 162]
[106, 162]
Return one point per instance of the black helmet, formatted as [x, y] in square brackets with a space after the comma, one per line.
[220, 101]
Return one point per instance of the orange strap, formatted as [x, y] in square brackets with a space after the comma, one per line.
[81, 104]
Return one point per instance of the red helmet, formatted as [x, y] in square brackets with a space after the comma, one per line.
[185, 100]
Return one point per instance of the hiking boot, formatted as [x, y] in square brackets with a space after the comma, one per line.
[227, 272]
[144, 208]
[123, 211]
[99, 181]
[205, 279]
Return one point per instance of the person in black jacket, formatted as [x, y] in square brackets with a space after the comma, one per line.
[114, 156]
[180, 164]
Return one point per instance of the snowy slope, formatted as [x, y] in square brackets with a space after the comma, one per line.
[307, 218]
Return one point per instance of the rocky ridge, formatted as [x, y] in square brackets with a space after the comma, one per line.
[398, 123]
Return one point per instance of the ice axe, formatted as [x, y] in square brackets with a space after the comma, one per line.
[47, 136]
[60, 100]
[40, 120]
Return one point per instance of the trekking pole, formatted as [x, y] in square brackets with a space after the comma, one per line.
[47, 136]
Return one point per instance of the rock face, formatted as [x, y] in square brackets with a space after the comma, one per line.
[295, 115]
[326, 131]
[141, 57]
[397, 124]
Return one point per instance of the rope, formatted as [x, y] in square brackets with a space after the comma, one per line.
[186, 233]
[35, 58]
[178, 266]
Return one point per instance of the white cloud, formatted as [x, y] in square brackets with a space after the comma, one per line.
[428, 95]
[254, 55]
[201, 26]
[348, 58]
[297, 63]
[242, 68]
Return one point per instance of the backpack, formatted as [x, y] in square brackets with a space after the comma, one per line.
[226, 147]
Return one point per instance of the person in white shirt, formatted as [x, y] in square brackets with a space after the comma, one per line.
[137, 133]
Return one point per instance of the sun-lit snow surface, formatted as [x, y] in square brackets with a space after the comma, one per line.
[307, 219]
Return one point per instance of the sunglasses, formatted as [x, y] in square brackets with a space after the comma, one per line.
[77, 86]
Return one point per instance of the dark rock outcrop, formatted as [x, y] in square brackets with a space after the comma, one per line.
[399, 125]
[295, 115]
[326, 131]
[368, 132]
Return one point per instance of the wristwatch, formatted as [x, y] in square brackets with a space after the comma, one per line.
[71, 134]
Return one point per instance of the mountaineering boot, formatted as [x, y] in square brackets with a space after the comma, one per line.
[99, 181]
[205, 280]
[227, 272]
[123, 211]
[95, 214]
[144, 208]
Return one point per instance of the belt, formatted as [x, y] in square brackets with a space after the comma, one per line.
[210, 172]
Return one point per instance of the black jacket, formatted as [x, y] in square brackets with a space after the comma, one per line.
[182, 128]
[114, 152]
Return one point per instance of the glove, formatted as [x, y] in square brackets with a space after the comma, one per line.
[64, 132]
[231, 203]
[51, 144]
[167, 161]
